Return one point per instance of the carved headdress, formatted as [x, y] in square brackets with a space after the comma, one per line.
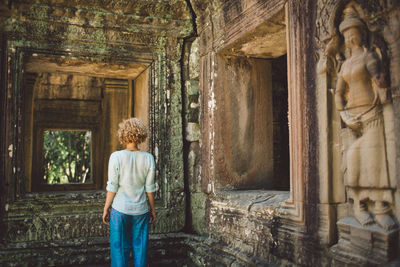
[351, 19]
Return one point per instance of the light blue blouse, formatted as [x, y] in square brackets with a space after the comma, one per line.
[130, 176]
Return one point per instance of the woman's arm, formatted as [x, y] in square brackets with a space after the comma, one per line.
[150, 197]
[106, 212]
[112, 186]
[339, 93]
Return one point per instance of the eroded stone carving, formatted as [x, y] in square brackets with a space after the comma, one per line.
[360, 97]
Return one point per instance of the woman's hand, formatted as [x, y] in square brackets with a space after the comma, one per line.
[106, 216]
[106, 212]
[153, 216]
[150, 198]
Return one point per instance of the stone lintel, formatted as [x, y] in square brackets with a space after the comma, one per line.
[39, 64]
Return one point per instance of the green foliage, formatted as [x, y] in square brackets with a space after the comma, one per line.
[66, 156]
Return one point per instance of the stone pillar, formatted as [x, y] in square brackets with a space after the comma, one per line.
[357, 62]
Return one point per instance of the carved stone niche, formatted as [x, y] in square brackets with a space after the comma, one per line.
[357, 66]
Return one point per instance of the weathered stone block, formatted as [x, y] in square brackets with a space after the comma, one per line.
[192, 132]
[198, 212]
[192, 87]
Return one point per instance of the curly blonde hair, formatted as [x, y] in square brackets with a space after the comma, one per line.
[132, 130]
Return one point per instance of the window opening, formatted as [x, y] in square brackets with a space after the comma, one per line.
[71, 119]
[252, 71]
[67, 156]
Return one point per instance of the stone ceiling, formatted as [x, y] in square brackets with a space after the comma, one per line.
[113, 38]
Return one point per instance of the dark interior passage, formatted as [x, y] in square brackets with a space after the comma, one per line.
[280, 123]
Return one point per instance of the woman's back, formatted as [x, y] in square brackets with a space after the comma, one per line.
[131, 173]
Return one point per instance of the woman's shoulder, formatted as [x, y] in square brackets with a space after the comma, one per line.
[148, 157]
[114, 158]
[114, 154]
[146, 154]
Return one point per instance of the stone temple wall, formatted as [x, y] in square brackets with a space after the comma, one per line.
[342, 205]
[115, 41]
[208, 66]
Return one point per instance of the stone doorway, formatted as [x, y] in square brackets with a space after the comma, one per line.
[71, 96]
[252, 142]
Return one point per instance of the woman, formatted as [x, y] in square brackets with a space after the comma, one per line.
[358, 100]
[130, 190]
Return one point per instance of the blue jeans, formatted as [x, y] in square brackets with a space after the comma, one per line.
[127, 231]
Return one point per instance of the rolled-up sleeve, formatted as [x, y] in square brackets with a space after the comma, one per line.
[113, 174]
[150, 185]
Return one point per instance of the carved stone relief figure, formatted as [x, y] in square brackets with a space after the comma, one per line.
[359, 97]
